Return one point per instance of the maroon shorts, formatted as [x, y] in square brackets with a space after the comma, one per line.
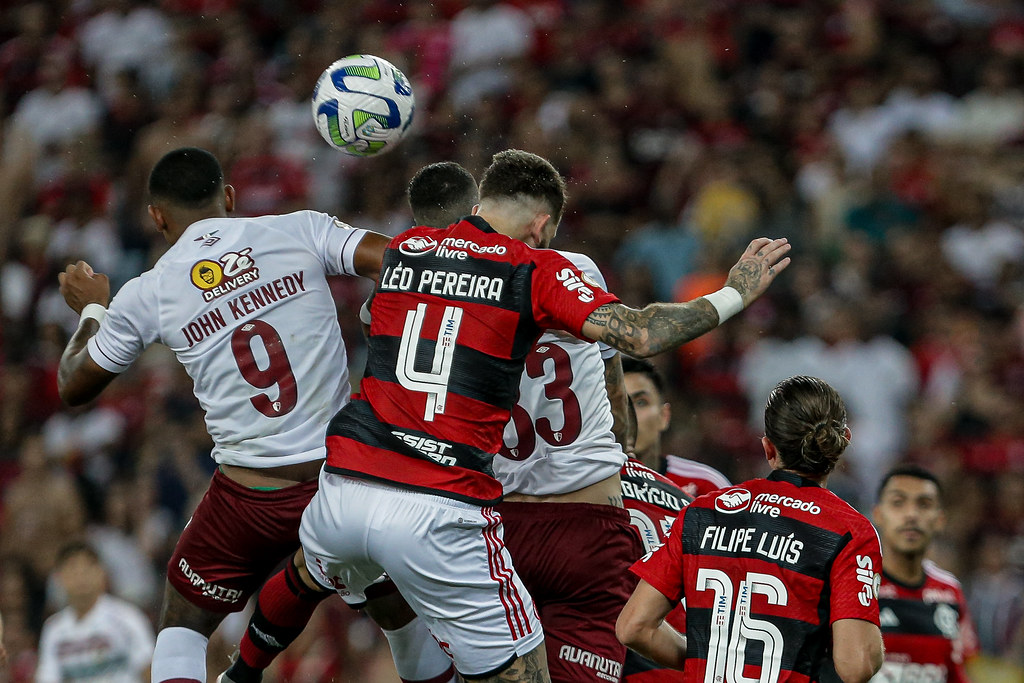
[574, 558]
[237, 536]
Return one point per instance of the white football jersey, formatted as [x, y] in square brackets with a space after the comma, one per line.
[560, 439]
[112, 642]
[245, 306]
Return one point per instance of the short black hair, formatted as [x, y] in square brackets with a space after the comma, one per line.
[442, 193]
[909, 470]
[643, 366]
[74, 548]
[188, 177]
[514, 174]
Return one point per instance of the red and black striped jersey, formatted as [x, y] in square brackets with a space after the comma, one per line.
[765, 568]
[653, 502]
[455, 313]
[694, 477]
[926, 628]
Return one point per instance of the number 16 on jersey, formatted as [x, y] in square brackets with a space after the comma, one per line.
[434, 383]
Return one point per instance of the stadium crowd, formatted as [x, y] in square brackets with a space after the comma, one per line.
[884, 139]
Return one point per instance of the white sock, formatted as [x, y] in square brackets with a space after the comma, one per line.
[417, 655]
[180, 656]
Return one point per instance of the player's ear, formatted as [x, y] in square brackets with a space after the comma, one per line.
[229, 198]
[475, 210]
[158, 218]
[535, 230]
[666, 416]
[771, 453]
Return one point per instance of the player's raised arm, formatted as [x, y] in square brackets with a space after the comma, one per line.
[79, 378]
[660, 327]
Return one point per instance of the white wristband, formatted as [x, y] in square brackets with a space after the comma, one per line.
[95, 311]
[727, 301]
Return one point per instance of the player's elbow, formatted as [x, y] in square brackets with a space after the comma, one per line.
[630, 631]
[858, 664]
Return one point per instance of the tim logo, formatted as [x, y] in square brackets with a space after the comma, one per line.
[732, 501]
[417, 246]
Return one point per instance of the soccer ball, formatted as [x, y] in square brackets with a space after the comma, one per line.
[362, 105]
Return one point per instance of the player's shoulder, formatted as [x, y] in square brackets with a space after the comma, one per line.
[585, 264]
[935, 573]
[59, 621]
[691, 469]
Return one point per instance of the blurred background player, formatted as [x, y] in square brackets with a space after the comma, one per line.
[384, 457]
[439, 194]
[97, 636]
[925, 623]
[792, 566]
[653, 502]
[267, 395]
[646, 390]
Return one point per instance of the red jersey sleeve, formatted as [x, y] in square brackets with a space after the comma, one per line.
[663, 566]
[563, 295]
[856, 576]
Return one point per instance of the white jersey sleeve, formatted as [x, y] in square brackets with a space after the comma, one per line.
[131, 324]
[560, 439]
[244, 304]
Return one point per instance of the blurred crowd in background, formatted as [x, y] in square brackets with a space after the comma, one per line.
[885, 139]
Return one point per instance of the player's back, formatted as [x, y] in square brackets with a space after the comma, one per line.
[455, 313]
[244, 304]
[768, 553]
[560, 438]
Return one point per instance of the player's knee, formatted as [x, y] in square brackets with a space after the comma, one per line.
[390, 611]
[177, 611]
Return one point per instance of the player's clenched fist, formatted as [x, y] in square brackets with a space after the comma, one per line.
[80, 285]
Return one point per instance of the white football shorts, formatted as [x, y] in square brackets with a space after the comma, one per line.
[447, 558]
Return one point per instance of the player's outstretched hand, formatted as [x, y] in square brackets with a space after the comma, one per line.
[757, 268]
[80, 286]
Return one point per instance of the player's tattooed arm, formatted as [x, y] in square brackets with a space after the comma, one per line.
[651, 330]
[624, 419]
[661, 327]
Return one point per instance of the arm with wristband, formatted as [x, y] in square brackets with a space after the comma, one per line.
[79, 378]
[661, 327]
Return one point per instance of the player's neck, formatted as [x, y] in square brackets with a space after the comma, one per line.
[83, 606]
[902, 567]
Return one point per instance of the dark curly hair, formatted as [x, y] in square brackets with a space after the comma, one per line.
[442, 193]
[805, 419]
[515, 174]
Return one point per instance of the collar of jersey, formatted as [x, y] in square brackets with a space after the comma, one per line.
[479, 223]
[792, 477]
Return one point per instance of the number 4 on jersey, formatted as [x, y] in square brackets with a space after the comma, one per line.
[435, 382]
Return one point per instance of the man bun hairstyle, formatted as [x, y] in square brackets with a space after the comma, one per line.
[805, 419]
[442, 193]
[188, 177]
[515, 174]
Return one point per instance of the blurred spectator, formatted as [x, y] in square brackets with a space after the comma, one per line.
[994, 112]
[486, 37]
[42, 510]
[979, 247]
[96, 635]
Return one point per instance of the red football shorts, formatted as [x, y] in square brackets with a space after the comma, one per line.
[237, 536]
[574, 558]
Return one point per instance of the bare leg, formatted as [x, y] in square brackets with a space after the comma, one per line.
[530, 668]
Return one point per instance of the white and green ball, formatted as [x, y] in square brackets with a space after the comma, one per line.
[363, 105]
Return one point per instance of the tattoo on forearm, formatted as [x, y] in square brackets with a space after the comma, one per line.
[656, 328]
